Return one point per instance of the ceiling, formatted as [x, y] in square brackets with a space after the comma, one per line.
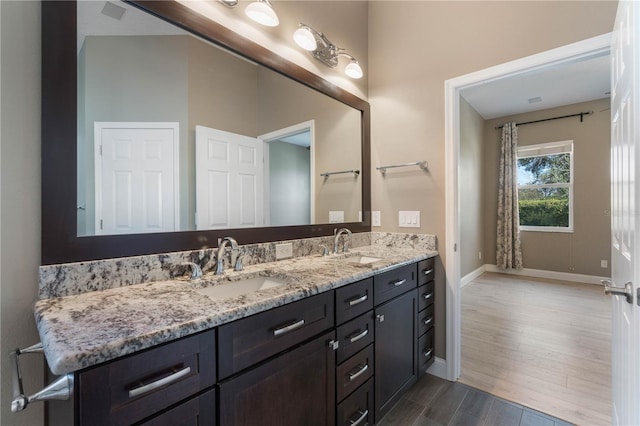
[577, 81]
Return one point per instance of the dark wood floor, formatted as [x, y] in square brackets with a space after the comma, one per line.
[437, 402]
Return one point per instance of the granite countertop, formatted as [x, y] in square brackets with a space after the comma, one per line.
[83, 330]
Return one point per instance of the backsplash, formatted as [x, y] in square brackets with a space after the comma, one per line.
[76, 278]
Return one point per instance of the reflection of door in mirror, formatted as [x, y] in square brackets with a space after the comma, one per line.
[229, 180]
[136, 178]
[289, 165]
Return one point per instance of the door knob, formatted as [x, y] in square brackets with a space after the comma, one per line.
[627, 291]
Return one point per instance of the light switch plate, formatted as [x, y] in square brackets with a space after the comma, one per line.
[375, 218]
[284, 251]
[409, 219]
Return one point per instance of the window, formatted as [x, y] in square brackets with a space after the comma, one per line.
[545, 187]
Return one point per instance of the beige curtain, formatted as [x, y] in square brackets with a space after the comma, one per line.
[508, 251]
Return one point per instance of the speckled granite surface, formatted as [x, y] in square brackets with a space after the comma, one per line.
[76, 278]
[81, 330]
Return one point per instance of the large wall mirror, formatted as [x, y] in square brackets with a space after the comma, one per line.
[161, 137]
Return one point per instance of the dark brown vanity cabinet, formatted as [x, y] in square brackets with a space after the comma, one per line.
[278, 367]
[395, 350]
[355, 354]
[137, 387]
[426, 317]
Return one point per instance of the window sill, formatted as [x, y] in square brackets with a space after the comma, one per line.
[546, 229]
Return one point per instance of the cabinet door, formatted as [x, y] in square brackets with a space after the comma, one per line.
[395, 350]
[295, 388]
[199, 411]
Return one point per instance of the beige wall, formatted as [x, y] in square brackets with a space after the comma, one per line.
[471, 189]
[578, 252]
[414, 46]
[19, 199]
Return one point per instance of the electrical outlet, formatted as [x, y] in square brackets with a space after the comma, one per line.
[375, 218]
[604, 264]
[479, 255]
[284, 251]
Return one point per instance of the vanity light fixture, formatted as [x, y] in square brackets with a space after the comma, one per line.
[260, 11]
[323, 50]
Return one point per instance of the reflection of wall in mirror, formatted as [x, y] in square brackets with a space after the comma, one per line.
[337, 137]
[183, 79]
[289, 196]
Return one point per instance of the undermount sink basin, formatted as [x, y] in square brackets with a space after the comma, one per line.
[362, 260]
[237, 288]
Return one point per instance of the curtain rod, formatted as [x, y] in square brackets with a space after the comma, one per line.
[580, 114]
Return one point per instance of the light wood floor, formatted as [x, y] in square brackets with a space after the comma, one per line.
[541, 343]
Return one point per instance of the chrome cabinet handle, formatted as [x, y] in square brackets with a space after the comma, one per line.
[363, 415]
[427, 354]
[360, 371]
[357, 300]
[427, 296]
[627, 291]
[159, 383]
[428, 321]
[288, 328]
[357, 336]
[398, 283]
[427, 272]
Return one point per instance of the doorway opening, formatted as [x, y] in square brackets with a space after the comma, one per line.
[596, 46]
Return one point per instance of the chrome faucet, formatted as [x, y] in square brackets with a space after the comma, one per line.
[337, 233]
[196, 271]
[222, 245]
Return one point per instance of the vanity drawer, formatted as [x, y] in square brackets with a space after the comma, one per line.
[247, 341]
[354, 300]
[426, 294]
[357, 408]
[425, 320]
[390, 284]
[354, 372]
[426, 270]
[199, 411]
[354, 335]
[133, 388]
[426, 352]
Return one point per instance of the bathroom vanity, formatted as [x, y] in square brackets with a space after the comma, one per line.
[337, 342]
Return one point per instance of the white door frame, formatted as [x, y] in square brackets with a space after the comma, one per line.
[453, 87]
[279, 134]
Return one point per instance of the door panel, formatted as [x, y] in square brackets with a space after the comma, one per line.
[136, 168]
[625, 167]
[229, 180]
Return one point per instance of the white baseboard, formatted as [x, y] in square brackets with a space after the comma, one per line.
[438, 368]
[552, 275]
[472, 275]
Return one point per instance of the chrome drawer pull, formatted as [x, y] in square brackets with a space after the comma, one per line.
[427, 272]
[428, 321]
[159, 383]
[288, 328]
[427, 354]
[358, 300]
[363, 416]
[361, 370]
[398, 283]
[357, 336]
[428, 296]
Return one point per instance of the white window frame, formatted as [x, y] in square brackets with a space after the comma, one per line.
[545, 149]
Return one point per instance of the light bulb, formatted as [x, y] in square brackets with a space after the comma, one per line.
[305, 39]
[353, 69]
[262, 12]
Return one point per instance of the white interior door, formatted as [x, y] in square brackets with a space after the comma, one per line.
[229, 180]
[625, 221]
[136, 172]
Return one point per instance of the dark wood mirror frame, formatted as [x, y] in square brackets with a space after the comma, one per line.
[60, 243]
